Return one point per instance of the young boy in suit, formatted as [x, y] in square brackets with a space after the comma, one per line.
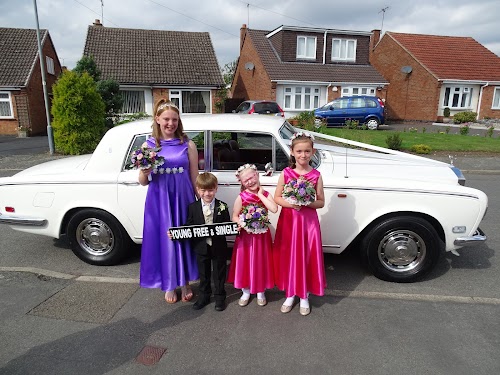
[211, 251]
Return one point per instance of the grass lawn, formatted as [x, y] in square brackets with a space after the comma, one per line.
[436, 141]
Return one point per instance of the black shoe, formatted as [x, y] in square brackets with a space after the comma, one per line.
[201, 303]
[220, 305]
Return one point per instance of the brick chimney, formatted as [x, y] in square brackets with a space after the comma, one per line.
[97, 22]
[374, 38]
[243, 32]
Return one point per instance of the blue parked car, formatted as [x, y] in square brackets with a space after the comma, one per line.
[368, 110]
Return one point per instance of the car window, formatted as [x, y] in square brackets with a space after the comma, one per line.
[370, 103]
[199, 140]
[266, 107]
[243, 107]
[232, 150]
[137, 142]
[340, 103]
[358, 103]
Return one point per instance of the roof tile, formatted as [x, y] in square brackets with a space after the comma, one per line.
[154, 57]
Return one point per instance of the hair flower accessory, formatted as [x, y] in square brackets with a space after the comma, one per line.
[254, 219]
[302, 134]
[242, 168]
[299, 192]
[145, 158]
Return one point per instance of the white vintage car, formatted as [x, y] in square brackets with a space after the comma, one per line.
[398, 210]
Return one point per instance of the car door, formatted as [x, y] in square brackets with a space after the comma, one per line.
[357, 109]
[337, 114]
[245, 147]
[132, 195]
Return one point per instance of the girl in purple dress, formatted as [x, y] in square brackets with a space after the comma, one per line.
[167, 264]
[251, 267]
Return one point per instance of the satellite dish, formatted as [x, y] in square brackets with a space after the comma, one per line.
[249, 66]
[406, 69]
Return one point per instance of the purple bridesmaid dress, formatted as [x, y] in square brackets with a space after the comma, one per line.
[167, 264]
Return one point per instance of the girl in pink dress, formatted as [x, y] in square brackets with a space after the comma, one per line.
[251, 268]
[299, 266]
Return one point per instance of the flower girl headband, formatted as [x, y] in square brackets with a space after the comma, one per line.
[242, 168]
[303, 135]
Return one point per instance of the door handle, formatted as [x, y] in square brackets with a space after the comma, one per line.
[129, 183]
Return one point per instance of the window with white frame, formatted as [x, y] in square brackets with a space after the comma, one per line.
[49, 61]
[496, 99]
[6, 105]
[457, 97]
[306, 47]
[191, 101]
[133, 101]
[344, 49]
[301, 98]
[353, 91]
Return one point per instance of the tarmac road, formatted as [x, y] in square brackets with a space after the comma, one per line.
[62, 316]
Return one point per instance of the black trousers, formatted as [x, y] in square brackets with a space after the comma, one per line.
[205, 264]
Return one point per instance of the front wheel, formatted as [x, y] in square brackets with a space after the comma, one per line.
[401, 249]
[96, 237]
[372, 123]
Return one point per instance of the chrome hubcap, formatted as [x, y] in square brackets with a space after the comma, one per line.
[95, 237]
[401, 251]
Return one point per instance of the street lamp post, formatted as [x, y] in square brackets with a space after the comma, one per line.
[44, 83]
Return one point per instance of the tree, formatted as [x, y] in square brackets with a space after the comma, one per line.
[228, 72]
[87, 64]
[109, 89]
[78, 114]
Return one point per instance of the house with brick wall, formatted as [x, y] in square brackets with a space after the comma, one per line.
[22, 104]
[153, 64]
[304, 68]
[428, 73]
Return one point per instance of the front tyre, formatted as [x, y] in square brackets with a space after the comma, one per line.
[97, 238]
[401, 249]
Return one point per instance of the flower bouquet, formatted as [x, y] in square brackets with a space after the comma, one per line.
[254, 219]
[145, 158]
[299, 192]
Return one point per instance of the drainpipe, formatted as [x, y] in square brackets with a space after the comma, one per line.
[327, 88]
[324, 48]
[480, 99]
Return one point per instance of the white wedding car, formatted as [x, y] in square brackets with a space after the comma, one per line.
[398, 210]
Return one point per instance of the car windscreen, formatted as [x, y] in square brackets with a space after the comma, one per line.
[266, 107]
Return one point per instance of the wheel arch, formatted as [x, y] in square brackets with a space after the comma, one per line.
[431, 220]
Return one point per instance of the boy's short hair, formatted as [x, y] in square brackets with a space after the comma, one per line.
[206, 180]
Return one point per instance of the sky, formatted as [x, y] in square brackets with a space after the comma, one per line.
[68, 20]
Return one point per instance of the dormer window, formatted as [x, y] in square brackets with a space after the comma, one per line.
[344, 50]
[306, 47]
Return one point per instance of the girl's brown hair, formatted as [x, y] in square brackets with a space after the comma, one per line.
[161, 106]
[295, 141]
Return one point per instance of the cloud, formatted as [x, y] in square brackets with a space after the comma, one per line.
[68, 20]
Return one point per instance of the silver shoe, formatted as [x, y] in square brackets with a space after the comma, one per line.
[305, 311]
[286, 309]
[243, 302]
[261, 302]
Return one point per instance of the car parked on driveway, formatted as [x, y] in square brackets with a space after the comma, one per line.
[260, 107]
[368, 110]
[398, 210]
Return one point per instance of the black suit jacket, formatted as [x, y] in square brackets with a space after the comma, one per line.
[219, 243]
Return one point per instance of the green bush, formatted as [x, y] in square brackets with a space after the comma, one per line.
[446, 112]
[420, 149]
[307, 121]
[78, 114]
[394, 141]
[461, 117]
[351, 124]
[132, 117]
[464, 130]
[489, 132]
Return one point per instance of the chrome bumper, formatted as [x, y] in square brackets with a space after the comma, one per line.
[18, 220]
[477, 238]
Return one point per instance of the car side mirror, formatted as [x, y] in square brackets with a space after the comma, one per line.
[332, 108]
